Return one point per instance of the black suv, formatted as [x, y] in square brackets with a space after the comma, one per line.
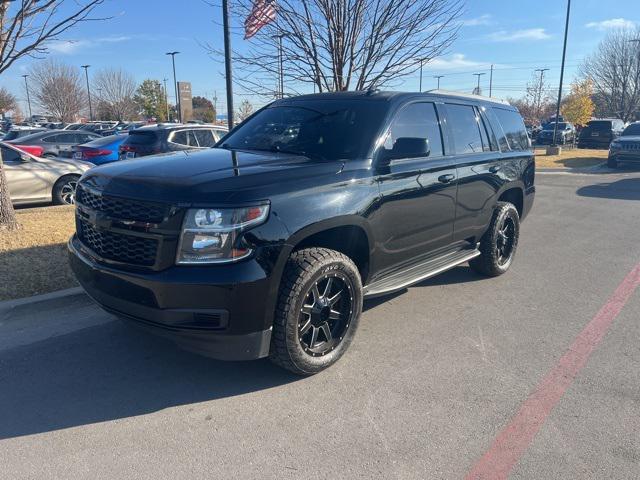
[267, 244]
[625, 148]
[600, 133]
[163, 138]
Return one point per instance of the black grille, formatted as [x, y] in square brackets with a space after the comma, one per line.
[122, 208]
[118, 247]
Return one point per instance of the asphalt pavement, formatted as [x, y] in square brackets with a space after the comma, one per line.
[435, 377]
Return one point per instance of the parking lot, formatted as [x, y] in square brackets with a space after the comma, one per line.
[435, 376]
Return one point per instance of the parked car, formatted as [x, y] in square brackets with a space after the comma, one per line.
[123, 128]
[625, 148]
[600, 133]
[267, 244]
[57, 143]
[164, 137]
[20, 132]
[566, 133]
[99, 151]
[33, 179]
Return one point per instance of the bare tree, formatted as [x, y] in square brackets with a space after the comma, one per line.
[537, 104]
[245, 110]
[57, 89]
[7, 101]
[26, 27]
[338, 45]
[117, 91]
[614, 69]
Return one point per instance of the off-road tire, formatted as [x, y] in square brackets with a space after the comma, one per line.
[304, 268]
[488, 262]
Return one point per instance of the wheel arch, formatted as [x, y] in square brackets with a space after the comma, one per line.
[513, 193]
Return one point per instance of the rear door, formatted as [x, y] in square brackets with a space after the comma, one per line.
[28, 181]
[418, 194]
[477, 158]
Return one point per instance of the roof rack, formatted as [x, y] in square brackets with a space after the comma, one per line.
[469, 95]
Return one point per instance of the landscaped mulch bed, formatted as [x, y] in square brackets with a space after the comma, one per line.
[571, 158]
[33, 260]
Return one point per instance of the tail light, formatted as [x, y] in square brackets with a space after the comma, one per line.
[95, 153]
[127, 148]
[32, 149]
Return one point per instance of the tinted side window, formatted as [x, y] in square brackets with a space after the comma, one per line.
[179, 137]
[514, 129]
[68, 138]
[465, 128]
[51, 139]
[205, 138]
[10, 156]
[418, 120]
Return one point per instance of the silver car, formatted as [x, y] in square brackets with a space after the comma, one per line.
[33, 179]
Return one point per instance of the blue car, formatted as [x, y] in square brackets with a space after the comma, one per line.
[99, 151]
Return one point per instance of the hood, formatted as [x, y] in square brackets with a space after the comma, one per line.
[628, 139]
[206, 176]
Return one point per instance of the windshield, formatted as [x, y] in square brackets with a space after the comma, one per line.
[599, 125]
[633, 129]
[322, 131]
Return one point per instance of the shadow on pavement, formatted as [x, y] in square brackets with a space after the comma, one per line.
[625, 189]
[113, 371]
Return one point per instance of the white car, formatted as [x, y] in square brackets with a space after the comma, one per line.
[34, 179]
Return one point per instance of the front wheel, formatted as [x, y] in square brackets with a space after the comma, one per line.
[318, 310]
[64, 190]
[498, 245]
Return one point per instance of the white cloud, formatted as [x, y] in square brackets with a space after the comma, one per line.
[485, 19]
[527, 34]
[67, 47]
[457, 60]
[611, 23]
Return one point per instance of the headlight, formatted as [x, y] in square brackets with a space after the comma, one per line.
[210, 235]
[615, 146]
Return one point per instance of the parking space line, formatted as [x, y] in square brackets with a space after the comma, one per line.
[513, 440]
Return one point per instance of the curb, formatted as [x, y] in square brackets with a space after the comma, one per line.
[599, 168]
[8, 305]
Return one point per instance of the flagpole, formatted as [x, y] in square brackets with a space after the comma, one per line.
[227, 62]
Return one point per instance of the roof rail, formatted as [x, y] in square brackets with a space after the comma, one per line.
[468, 95]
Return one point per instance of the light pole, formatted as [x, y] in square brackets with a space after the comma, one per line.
[166, 98]
[478, 87]
[280, 36]
[86, 74]
[227, 63]
[491, 82]
[175, 84]
[438, 77]
[26, 86]
[421, 62]
[539, 94]
[564, 54]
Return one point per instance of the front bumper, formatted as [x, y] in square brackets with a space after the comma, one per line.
[625, 155]
[222, 311]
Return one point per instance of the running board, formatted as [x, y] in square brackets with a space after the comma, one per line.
[416, 273]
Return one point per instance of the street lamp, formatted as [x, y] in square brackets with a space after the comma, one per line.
[166, 98]
[564, 54]
[26, 86]
[438, 77]
[175, 84]
[86, 74]
[478, 75]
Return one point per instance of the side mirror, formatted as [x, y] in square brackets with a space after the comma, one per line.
[407, 147]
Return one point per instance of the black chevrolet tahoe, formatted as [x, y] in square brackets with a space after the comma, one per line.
[267, 244]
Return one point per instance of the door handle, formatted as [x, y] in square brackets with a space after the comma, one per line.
[494, 169]
[447, 178]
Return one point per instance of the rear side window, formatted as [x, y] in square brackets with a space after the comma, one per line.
[514, 129]
[137, 137]
[51, 139]
[418, 120]
[184, 137]
[9, 155]
[465, 128]
[205, 138]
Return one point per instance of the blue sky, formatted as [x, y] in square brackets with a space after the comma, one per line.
[516, 36]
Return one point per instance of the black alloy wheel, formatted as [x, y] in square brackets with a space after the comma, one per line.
[325, 314]
[505, 241]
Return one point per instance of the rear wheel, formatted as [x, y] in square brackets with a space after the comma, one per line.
[318, 309]
[64, 190]
[498, 245]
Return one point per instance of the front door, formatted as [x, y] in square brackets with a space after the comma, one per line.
[418, 193]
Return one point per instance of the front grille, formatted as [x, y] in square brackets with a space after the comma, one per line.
[116, 246]
[122, 208]
[631, 146]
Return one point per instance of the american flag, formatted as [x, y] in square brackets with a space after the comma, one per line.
[262, 13]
